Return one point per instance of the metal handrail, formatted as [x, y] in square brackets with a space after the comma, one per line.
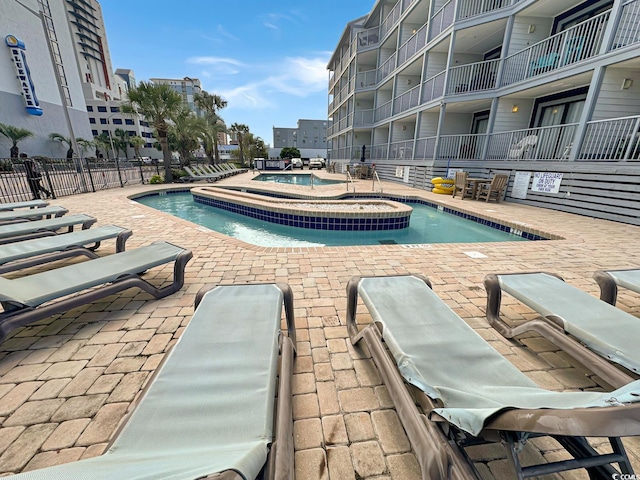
[312, 176]
[350, 179]
[375, 177]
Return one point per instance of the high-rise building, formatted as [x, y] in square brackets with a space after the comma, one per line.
[186, 87]
[308, 134]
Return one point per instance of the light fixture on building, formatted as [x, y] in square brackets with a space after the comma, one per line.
[532, 28]
[404, 127]
[626, 83]
[413, 31]
[514, 109]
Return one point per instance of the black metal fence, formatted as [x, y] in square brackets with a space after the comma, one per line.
[63, 177]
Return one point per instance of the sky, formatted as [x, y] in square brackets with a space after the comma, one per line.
[268, 59]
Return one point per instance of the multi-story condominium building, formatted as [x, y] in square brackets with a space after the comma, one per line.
[308, 134]
[546, 91]
[186, 87]
[33, 98]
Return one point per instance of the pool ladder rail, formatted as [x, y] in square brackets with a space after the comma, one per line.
[350, 180]
[375, 178]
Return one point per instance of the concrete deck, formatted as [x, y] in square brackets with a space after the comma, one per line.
[67, 382]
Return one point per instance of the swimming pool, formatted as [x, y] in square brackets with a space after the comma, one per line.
[295, 179]
[428, 225]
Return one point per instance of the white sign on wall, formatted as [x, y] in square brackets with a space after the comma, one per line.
[520, 185]
[546, 182]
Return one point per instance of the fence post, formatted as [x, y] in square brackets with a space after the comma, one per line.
[93, 187]
[46, 174]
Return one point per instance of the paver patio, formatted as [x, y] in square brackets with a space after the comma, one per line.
[67, 382]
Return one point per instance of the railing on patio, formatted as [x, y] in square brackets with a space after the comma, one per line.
[379, 151]
[407, 3]
[366, 79]
[575, 44]
[409, 99]
[628, 31]
[471, 8]
[368, 38]
[412, 46]
[425, 148]
[611, 140]
[433, 87]
[387, 67]
[383, 111]
[541, 143]
[64, 177]
[468, 146]
[401, 150]
[363, 117]
[473, 77]
[391, 19]
[442, 19]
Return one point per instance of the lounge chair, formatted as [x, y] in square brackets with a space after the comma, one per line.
[17, 232]
[494, 190]
[38, 251]
[26, 204]
[462, 185]
[195, 175]
[27, 214]
[587, 328]
[209, 408]
[28, 299]
[610, 280]
[470, 394]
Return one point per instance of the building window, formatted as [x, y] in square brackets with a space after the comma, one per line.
[131, 133]
[103, 121]
[117, 121]
[94, 133]
[102, 109]
[128, 121]
[115, 109]
[89, 108]
[92, 120]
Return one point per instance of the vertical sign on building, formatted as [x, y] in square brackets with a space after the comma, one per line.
[28, 90]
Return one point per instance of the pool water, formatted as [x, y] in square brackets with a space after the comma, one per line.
[295, 179]
[427, 225]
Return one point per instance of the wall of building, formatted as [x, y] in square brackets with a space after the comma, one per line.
[613, 100]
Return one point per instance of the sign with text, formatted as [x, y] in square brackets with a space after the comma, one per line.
[520, 185]
[17, 50]
[546, 182]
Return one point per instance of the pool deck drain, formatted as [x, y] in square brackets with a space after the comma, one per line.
[66, 382]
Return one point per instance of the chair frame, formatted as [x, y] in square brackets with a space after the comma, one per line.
[551, 328]
[439, 446]
[609, 286]
[466, 189]
[489, 191]
[49, 227]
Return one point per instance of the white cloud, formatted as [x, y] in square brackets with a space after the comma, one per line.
[217, 65]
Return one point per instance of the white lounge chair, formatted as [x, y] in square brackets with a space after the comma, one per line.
[16, 232]
[25, 204]
[26, 214]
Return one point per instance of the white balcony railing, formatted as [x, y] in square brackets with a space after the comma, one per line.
[383, 111]
[366, 79]
[611, 140]
[628, 31]
[363, 117]
[541, 143]
[406, 101]
[471, 8]
[575, 44]
[412, 46]
[379, 151]
[368, 38]
[401, 150]
[473, 77]
[391, 19]
[442, 19]
[433, 87]
[387, 67]
[461, 146]
[425, 148]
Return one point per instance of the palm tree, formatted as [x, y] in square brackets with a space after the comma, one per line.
[102, 142]
[158, 104]
[84, 144]
[212, 126]
[240, 129]
[137, 143]
[57, 137]
[211, 104]
[184, 134]
[15, 134]
[122, 142]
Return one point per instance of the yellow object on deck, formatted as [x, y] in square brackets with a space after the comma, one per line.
[443, 186]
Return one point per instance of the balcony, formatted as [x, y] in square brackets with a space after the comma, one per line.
[363, 118]
[406, 101]
[473, 77]
[412, 46]
[541, 143]
[628, 31]
[615, 139]
[391, 19]
[442, 19]
[366, 79]
[401, 150]
[433, 87]
[471, 8]
[573, 45]
[387, 67]
[368, 38]
[383, 111]
[461, 146]
[425, 147]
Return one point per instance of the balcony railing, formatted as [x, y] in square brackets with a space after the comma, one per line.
[363, 117]
[473, 77]
[391, 19]
[409, 99]
[425, 147]
[412, 46]
[366, 79]
[383, 111]
[541, 143]
[401, 150]
[611, 140]
[461, 146]
[471, 8]
[368, 38]
[628, 31]
[433, 87]
[575, 44]
[379, 151]
[387, 67]
[407, 3]
[442, 19]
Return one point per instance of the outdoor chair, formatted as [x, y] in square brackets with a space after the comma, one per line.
[195, 175]
[494, 190]
[610, 280]
[543, 64]
[462, 185]
[16, 232]
[209, 409]
[38, 251]
[34, 297]
[26, 204]
[31, 214]
[592, 331]
[469, 394]
[523, 146]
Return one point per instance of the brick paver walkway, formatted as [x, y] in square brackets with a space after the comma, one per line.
[67, 382]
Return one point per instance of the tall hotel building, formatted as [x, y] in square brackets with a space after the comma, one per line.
[543, 90]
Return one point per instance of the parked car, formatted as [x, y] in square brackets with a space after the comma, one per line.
[296, 163]
[318, 163]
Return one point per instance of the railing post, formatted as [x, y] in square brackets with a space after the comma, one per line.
[632, 140]
[587, 112]
[46, 174]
